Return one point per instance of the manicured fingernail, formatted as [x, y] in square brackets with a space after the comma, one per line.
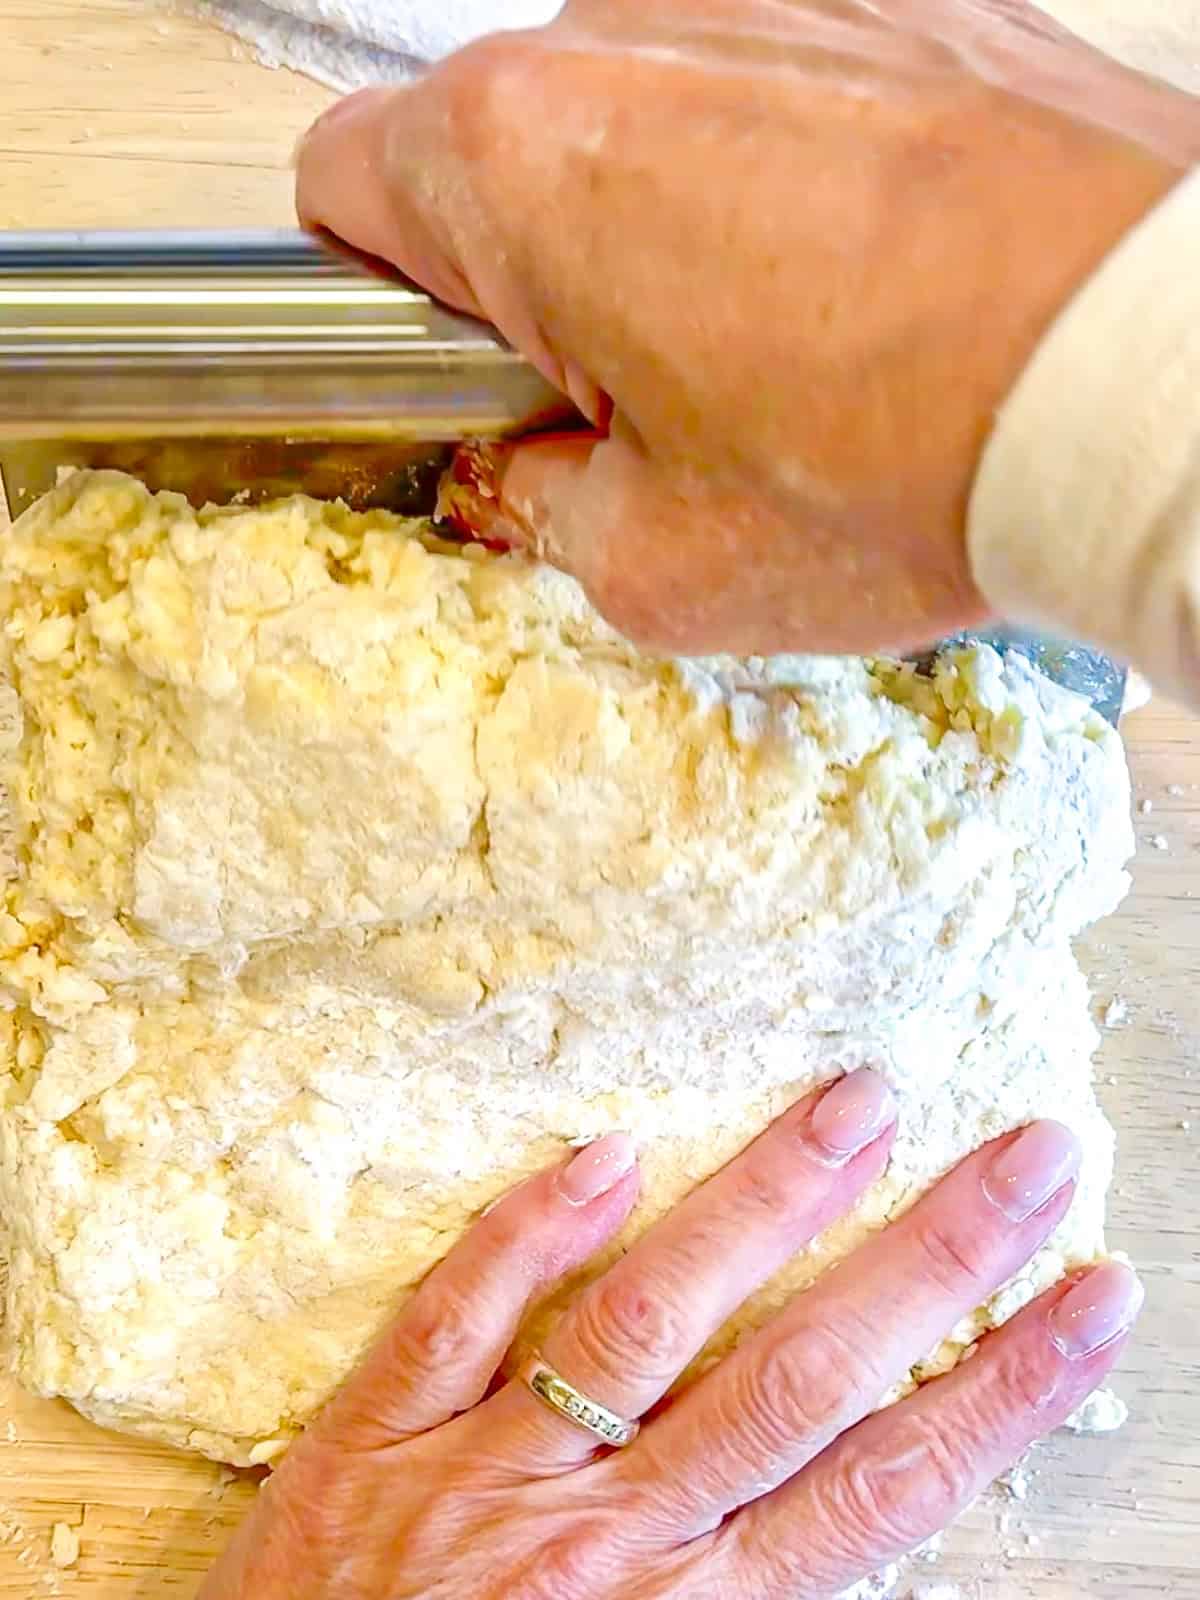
[597, 1169]
[1096, 1311]
[1031, 1170]
[851, 1115]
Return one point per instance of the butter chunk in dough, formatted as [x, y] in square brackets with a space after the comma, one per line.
[353, 875]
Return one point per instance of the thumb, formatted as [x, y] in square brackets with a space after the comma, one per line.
[516, 495]
[657, 548]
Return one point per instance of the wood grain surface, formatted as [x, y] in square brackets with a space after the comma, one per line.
[126, 113]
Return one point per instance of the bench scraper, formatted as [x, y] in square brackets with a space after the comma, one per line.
[252, 365]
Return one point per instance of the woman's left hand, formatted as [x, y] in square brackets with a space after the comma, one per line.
[774, 1476]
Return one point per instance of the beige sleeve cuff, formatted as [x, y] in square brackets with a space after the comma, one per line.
[1085, 515]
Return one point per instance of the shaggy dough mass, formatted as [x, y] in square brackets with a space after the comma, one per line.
[352, 875]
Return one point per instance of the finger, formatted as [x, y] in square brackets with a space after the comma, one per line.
[393, 172]
[501, 492]
[904, 1474]
[444, 1348]
[629, 1336]
[783, 1396]
[347, 184]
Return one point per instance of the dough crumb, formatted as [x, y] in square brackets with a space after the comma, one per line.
[64, 1545]
[1102, 1412]
[931, 1550]
[880, 1587]
[222, 1479]
[1016, 1483]
[1114, 1014]
[1158, 841]
[1138, 693]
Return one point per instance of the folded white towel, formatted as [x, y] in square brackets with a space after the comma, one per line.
[351, 43]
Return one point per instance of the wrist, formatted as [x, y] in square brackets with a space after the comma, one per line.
[1085, 513]
[1065, 195]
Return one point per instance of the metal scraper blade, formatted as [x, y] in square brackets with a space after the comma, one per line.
[248, 366]
[1090, 673]
[242, 365]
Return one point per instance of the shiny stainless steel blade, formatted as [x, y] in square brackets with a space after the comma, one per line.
[1088, 672]
[232, 362]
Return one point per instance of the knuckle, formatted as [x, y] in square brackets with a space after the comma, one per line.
[956, 1260]
[765, 1195]
[806, 1386]
[626, 1319]
[903, 1491]
[1023, 1383]
[488, 87]
[437, 1329]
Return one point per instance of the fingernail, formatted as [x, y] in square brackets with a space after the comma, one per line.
[1031, 1170]
[582, 390]
[597, 1169]
[851, 1115]
[1096, 1311]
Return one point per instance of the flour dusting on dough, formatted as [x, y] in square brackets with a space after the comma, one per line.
[354, 876]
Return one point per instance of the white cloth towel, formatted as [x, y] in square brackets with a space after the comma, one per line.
[351, 43]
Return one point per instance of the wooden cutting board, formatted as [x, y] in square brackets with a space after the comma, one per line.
[123, 113]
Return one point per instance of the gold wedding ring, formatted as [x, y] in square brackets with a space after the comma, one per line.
[553, 1390]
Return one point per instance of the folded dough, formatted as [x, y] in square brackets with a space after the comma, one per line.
[353, 875]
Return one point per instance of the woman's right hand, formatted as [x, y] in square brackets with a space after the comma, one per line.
[791, 256]
[772, 1478]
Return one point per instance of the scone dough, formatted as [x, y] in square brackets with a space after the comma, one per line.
[351, 876]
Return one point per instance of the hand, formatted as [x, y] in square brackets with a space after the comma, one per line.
[790, 257]
[773, 1476]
